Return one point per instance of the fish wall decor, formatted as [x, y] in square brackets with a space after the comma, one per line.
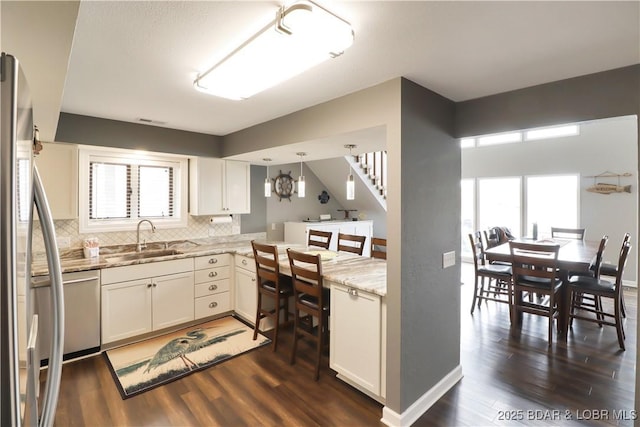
[602, 188]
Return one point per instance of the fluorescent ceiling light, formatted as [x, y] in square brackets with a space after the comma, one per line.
[301, 36]
[553, 132]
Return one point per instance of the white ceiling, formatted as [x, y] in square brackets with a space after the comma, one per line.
[132, 59]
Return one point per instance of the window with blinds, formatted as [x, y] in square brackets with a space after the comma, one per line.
[120, 189]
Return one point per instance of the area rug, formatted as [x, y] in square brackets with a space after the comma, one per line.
[142, 366]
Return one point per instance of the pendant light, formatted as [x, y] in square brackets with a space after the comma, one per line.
[351, 185]
[267, 181]
[301, 183]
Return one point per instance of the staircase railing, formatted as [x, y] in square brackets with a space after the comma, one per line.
[374, 165]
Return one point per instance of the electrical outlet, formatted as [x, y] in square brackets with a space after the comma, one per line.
[448, 259]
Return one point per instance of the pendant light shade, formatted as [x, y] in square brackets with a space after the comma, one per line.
[301, 182]
[351, 185]
[267, 181]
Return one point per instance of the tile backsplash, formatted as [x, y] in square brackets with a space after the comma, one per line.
[197, 228]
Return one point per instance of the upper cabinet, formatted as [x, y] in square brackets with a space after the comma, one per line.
[58, 167]
[219, 187]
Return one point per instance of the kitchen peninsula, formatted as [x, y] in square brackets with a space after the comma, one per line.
[174, 284]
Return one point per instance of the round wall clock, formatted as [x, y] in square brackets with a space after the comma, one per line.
[283, 185]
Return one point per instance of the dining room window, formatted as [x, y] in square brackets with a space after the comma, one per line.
[499, 203]
[552, 200]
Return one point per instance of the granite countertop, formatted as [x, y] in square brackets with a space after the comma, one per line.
[347, 269]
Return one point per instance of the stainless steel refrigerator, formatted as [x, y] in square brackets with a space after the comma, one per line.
[21, 403]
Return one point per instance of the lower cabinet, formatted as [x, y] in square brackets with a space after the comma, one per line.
[246, 291]
[212, 285]
[135, 307]
[357, 341]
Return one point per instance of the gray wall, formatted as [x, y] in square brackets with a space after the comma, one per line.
[430, 333]
[296, 209]
[112, 133]
[256, 220]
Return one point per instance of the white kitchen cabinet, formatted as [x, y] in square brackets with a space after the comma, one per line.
[159, 295]
[245, 288]
[298, 232]
[357, 340]
[212, 277]
[58, 167]
[219, 187]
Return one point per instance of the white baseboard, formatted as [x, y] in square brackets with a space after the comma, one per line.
[420, 406]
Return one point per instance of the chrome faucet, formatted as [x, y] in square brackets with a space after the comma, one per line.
[139, 247]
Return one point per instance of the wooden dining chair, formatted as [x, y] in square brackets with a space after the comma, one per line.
[311, 302]
[498, 276]
[535, 270]
[588, 300]
[319, 238]
[378, 248]
[610, 270]
[271, 284]
[568, 233]
[351, 243]
[583, 285]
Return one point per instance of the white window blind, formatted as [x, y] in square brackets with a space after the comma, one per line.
[109, 191]
[155, 191]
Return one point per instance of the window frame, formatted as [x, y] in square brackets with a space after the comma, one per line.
[86, 155]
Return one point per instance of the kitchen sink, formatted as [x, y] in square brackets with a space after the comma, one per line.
[132, 256]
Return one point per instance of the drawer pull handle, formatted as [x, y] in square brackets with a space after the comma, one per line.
[244, 262]
[149, 285]
[253, 279]
[213, 260]
[213, 273]
[213, 305]
[353, 292]
[213, 287]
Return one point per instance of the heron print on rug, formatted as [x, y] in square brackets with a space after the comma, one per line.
[144, 365]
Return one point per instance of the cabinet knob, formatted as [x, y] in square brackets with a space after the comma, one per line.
[155, 285]
[149, 285]
[213, 287]
[244, 262]
[213, 305]
[253, 279]
[213, 273]
[353, 292]
[213, 260]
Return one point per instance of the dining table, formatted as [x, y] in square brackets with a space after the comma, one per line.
[574, 256]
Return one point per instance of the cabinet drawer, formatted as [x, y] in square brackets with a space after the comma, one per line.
[210, 274]
[209, 261]
[212, 287]
[213, 304]
[245, 263]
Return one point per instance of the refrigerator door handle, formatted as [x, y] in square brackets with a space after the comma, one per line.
[52, 388]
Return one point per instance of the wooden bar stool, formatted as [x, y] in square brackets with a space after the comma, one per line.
[311, 302]
[319, 238]
[378, 248]
[351, 243]
[272, 285]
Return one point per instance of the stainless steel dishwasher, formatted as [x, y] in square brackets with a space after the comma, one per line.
[81, 313]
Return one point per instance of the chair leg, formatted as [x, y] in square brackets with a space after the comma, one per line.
[319, 349]
[623, 309]
[276, 326]
[619, 327]
[296, 314]
[475, 295]
[257, 324]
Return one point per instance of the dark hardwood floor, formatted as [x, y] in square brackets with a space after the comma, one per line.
[519, 381]
[507, 381]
